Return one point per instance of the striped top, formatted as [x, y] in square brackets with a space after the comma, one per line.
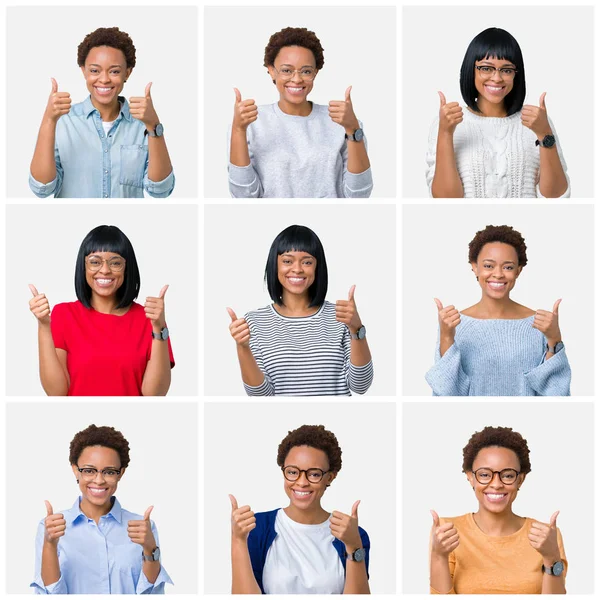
[304, 356]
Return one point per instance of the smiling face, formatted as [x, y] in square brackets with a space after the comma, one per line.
[495, 87]
[293, 91]
[105, 73]
[296, 272]
[497, 269]
[104, 282]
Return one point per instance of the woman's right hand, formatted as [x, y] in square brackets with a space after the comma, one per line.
[444, 538]
[243, 520]
[59, 103]
[448, 318]
[54, 525]
[239, 329]
[244, 112]
[451, 114]
[39, 306]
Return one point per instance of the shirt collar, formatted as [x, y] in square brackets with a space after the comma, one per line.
[72, 514]
[89, 108]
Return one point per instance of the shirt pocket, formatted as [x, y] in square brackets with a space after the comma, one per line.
[133, 165]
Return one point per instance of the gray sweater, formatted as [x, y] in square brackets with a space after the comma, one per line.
[297, 157]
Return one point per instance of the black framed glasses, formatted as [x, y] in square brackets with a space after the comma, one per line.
[485, 475]
[90, 473]
[292, 473]
[94, 263]
[486, 71]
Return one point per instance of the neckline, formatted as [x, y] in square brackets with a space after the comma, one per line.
[285, 115]
[306, 525]
[483, 118]
[274, 310]
[513, 320]
[102, 315]
[496, 537]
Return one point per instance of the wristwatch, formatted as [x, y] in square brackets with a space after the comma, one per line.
[357, 136]
[359, 555]
[547, 142]
[162, 336]
[154, 557]
[556, 569]
[157, 131]
[360, 334]
[554, 349]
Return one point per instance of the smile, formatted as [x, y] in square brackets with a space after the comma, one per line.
[299, 494]
[103, 91]
[294, 90]
[296, 280]
[497, 285]
[95, 491]
[495, 497]
[103, 282]
[494, 89]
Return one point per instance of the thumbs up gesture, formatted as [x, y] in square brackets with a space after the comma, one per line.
[444, 537]
[347, 313]
[140, 532]
[39, 306]
[544, 539]
[155, 309]
[59, 103]
[536, 118]
[244, 112]
[54, 524]
[451, 114]
[345, 528]
[243, 520]
[342, 113]
[448, 318]
[142, 108]
[239, 329]
[547, 322]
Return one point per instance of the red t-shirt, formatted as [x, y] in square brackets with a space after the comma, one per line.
[106, 354]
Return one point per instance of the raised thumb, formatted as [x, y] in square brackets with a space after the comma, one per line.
[351, 293]
[54, 85]
[543, 101]
[163, 291]
[147, 513]
[33, 289]
[439, 304]
[347, 95]
[232, 314]
[238, 95]
[442, 99]
[556, 305]
[147, 92]
[234, 503]
[436, 518]
[49, 509]
[553, 519]
[354, 512]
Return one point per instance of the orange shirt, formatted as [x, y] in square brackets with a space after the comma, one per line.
[487, 564]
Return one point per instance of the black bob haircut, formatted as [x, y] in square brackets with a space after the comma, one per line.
[493, 43]
[299, 239]
[108, 238]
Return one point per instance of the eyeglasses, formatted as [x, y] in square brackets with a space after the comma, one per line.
[485, 475]
[89, 474]
[486, 72]
[292, 473]
[116, 264]
[306, 73]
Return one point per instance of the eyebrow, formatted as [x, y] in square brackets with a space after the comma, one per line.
[302, 67]
[95, 467]
[292, 256]
[506, 64]
[111, 66]
[506, 262]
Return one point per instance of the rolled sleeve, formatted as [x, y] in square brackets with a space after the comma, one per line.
[158, 587]
[447, 377]
[264, 389]
[42, 190]
[358, 185]
[360, 378]
[552, 377]
[58, 587]
[244, 182]
[160, 189]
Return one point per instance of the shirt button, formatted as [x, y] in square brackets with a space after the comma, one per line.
[105, 149]
[106, 195]
[106, 171]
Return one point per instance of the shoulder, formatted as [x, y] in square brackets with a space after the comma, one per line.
[460, 522]
[260, 314]
[137, 309]
[268, 516]
[65, 309]
[265, 523]
[127, 515]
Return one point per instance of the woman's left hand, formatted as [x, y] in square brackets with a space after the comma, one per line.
[142, 108]
[347, 313]
[345, 528]
[544, 538]
[547, 323]
[342, 113]
[155, 309]
[140, 532]
[536, 118]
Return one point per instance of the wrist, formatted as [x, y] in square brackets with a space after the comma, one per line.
[553, 341]
[550, 560]
[158, 327]
[239, 129]
[51, 545]
[350, 548]
[350, 130]
[148, 550]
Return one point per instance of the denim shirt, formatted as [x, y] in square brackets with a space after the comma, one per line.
[92, 164]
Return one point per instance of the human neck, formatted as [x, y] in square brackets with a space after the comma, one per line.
[312, 516]
[497, 524]
[298, 110]
[489, 109]
[294, 305]
[488, 308]
[93, 511]
[105, 306]
[108, 112]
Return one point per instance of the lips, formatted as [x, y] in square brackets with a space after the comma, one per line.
[495, 90]
[295, 90]
[97, 492]
[497, 285]
[296, 280]
[495, 498]
[302, 494]
[103, 91]
[103, 282]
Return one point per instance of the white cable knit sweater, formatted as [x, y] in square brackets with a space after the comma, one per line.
[496, 157]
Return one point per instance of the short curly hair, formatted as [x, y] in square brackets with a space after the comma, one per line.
[504, 437]
[498, 233]
[294, 36]
[107, 36]
[315, 436]
[105, 436]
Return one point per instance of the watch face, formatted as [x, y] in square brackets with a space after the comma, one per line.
[359, 555]
[361, 333]
[558, 568]
[548, 141]
[359, 135]
[164, 334]
[156, 553]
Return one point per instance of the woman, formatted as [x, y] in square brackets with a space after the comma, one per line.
[301, 549]
[498, 347]
[495, 551]
[295, 148]
[503, 149]
[105, 344]
[301, 345]
[97, 547]
[103, 147]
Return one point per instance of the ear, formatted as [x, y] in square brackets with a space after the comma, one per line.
[75, 471]
[521, 479]
[519, 269]
[128, 73]
[330, 477]
[272, 73]
[83, 70]
[471, 479]
[474, 269]
[122, 473]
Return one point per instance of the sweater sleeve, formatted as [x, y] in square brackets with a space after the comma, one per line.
[266, 388]
[431, 154]
[359, 379]
[567, 193]
[356, 185]
[551, 377]
[244, 182]
[447, 377]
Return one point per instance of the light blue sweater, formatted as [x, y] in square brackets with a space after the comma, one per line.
[499, 357]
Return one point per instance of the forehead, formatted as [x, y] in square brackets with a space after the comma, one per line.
[105, 255]
[105, 56]
[306, 457]
[99, 457]
[499, 252]
[296, 254]
[297, 56]
[496, 458]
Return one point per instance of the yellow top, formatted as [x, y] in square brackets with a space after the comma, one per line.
[487, 564]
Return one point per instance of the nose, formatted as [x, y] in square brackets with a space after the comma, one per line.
[104, 268]
[296, 77]
[104, 77]
[100, 475]
[303, 480]
[496, 76]
[496, 481]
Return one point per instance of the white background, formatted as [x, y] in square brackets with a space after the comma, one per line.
[560, 264]
[45, 46]
[561, 478]
[241, 459]
[359, 243]
[43, 242]
[557, 46]
[359, 46]
[163, 472]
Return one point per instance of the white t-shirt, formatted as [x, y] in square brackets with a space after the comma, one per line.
[302, 560]
[107, 125]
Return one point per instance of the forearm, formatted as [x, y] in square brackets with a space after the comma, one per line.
[360, 355]
[50, 564]
[159, 162]
[52, 375]
[43, 164]
[151, 568]
[446, 180]
[445, 344]
[553, 181]
[157, 378]
[251, 373]
[439, 574]
[357, 581]
[242, 576]
[238, 152]
[358, 159]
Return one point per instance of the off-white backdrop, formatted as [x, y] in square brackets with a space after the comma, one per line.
[163, 472]
[42, 43]
[42, 245]
[557, 46]
[359, 45]
[360, 248]
[560, 253]
[560, 439]
[240, 458]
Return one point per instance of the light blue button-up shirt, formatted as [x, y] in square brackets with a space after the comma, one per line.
[93, 164]
[98, 559]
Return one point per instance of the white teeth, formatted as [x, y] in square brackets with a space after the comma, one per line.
[104, 281]
[495, 496]
[296, 279]
[301, 493]
[496, 285]
[292, 89]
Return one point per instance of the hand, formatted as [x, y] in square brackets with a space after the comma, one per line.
[444, 538]
[547, 323]
[39, 306]
[239, 329]
[243, 520]
[347, 313]
[544, 539]
[142, 108]
[449, 318]
[536, 118]
[59, 103]
[345, 528]
[155, 309]
[140, 532]
[55, 525]
[244, 112]
[451, 114]
[342, 113]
